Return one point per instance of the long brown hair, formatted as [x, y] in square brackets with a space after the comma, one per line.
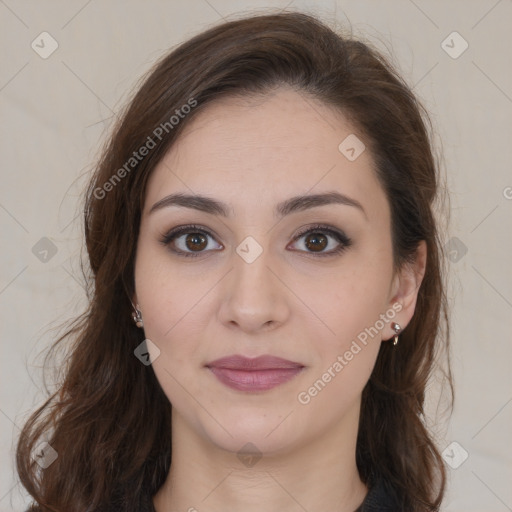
[110, 421]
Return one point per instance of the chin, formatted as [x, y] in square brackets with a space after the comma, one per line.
[253, 434]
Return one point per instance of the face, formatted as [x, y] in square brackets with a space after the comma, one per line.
[310, 282]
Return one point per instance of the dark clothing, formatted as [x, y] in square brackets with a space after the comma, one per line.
[380, 498]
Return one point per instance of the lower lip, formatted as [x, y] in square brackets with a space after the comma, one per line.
[255, 380]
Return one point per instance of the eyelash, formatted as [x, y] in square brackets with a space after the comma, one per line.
[344, 240]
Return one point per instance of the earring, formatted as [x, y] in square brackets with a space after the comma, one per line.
[397, 329]
[137, 316]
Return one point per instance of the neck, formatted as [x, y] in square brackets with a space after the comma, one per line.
[319, 476]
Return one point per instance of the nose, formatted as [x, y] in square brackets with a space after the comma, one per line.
[254, 297]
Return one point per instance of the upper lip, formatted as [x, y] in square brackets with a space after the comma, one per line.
[265, 362]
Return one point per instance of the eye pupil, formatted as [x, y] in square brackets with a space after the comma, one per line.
[196, 239]
[316, 241]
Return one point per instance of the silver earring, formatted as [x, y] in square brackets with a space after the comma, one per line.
[137, 316]
[397, 330]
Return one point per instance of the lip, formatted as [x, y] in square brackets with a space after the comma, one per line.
[265, 362]
[257, 374]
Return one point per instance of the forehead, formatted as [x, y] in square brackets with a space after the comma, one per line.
[259, 148]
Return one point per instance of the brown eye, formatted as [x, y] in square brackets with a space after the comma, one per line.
[321, 240]
[196, 242]
[316, 242]
[189, 241]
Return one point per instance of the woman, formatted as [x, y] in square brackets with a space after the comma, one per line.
[268, 294]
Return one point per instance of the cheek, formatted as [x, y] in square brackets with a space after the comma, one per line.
[354, 301]
[173, 323]
[345, 354]
[352, 350]
[336, 390]
[168, 302]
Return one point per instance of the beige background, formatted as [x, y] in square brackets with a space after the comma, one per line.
[55, 111]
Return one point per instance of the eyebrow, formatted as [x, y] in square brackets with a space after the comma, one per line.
[291, 205]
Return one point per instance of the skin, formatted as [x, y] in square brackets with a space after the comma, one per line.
[253, 153]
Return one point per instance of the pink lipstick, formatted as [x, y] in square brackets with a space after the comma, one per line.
[257, 374]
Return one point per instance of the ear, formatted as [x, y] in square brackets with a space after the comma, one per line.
[405, 287]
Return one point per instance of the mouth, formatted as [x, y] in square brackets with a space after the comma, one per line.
[257, 374]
